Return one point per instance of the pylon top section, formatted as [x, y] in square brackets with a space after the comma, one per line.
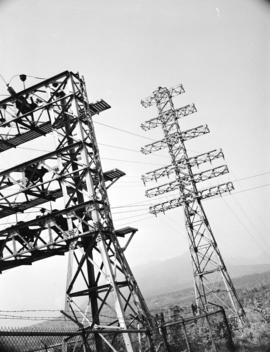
[27, 114]
[181, 166]
[161, 94]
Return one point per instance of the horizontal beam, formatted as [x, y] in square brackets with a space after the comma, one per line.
[98, 289]
[189, 197]
[27, 115]
[41, 220]
[25, 332]
[169, 116]
[39, 192]
[21, 167]
[112, 176]
[216, 190]
[46, 236]
[175, 138]
[98, 107]
[36, 256]
[21, 207]
[186, 180]
[125, 231]
[17, 140]
[35, 87]
[193, 161]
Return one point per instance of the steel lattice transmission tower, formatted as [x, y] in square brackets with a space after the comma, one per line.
[70, 187]
[207, 262]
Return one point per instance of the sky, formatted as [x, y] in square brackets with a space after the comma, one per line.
[218, 49]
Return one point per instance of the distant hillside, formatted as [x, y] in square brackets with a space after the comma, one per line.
[184, 297]
[176, 273]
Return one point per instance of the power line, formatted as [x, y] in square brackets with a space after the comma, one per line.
[249, 218]
[132, 216]
[102, 158]
[252, 176]
[141, 203]
[252, 188]
[128, 211]
[123, 130]
[34, 149]
[140, 162]
[254, 238]
[128, 149]
[130, 161]
[150, 216]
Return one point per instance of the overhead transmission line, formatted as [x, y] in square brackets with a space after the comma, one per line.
[123, 130]
[254, 238]
[250, 219]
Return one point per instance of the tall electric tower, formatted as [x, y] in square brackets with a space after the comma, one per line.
[207, 262]
[67, 190]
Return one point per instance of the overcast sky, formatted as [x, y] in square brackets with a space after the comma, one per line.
[219, 50]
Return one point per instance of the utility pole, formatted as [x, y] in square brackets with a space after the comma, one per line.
[208, 265]
[69, 188]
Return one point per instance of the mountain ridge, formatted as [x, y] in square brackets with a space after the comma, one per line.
[173, 274]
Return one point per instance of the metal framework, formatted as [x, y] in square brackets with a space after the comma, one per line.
[208, 266]
[69, 188]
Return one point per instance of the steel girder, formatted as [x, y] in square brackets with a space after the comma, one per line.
[169, 116]
[39, 180]
[190, 197]
[101, 292]
[192, 161]
[176, 137]
[185, 179]
[211, 280]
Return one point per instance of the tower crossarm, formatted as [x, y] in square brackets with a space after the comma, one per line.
[44, 236]
[27, 115]
[189, 197]
[128, 232]
[37, 181]
[162, 207]
[205, 157]
[174, 138]
[216, 190]
[161, 95]
[210, 173]
[169, 116]
[187, 181]
[166, 187]
[112, 176]
[193, 161]
[160, 172]
[13, 175]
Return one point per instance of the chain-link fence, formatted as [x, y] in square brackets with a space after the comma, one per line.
[26, 340]
[207, 332]
[33, 340]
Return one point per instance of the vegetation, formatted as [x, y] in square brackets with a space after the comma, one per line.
[254, 292]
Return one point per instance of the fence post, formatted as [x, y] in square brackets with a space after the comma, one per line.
[186, 336]
[64, 346]
[230, 342]
[162, 330]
